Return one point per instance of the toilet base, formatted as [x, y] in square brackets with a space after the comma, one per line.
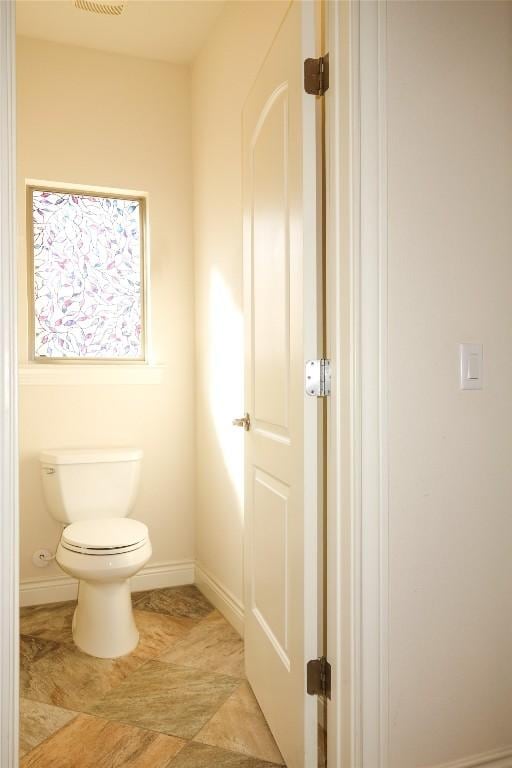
[103, 622]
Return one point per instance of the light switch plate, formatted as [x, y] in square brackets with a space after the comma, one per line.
[471, 366]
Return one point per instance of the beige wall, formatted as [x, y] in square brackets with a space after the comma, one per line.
[101, 119]
[221, 79]
[450, 281]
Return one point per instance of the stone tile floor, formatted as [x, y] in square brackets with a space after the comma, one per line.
[180, 700]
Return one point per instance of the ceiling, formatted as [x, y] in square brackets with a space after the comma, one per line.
[167, 30]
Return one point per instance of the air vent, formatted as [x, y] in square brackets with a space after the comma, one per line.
[111, 8]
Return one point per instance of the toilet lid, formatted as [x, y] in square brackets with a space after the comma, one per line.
[115, 533]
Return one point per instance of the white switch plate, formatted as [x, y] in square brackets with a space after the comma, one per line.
[471, 366]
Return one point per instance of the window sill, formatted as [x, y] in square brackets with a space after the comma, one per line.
[46, 374]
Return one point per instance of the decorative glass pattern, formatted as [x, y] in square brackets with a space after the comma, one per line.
[87, 276]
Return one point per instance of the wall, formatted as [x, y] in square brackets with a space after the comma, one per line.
[221, 79]
[86, 117]
[450, 451]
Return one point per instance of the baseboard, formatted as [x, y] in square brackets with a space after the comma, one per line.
[497, 758]
[159, 575]
[224, 600]
[61, 588]
[58, 589]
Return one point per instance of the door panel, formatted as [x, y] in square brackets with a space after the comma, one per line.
[271, 359]
[270, 567]
[280, 530]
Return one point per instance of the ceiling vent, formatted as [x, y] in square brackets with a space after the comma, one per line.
[111, 8]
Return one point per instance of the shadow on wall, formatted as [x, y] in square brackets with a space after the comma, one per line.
[225, 376]
[32, 507]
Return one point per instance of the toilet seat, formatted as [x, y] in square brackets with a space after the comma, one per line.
[113, 536]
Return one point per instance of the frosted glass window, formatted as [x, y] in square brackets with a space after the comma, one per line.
[87, 276]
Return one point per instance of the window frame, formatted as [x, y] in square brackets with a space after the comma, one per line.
[86, 192]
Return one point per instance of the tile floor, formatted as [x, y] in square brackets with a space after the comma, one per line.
[179, 700]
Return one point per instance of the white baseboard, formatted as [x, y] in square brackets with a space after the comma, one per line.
[58, 589]
[159, 575]
[497, 758]
[224, 600]
[61, 588]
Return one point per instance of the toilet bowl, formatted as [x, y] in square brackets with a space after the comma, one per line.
[102, 550]
[104, 555]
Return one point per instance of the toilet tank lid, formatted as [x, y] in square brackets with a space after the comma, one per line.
[90, 455]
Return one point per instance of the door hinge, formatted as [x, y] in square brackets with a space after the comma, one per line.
[318, 378]
[316, 75]
[319, 677]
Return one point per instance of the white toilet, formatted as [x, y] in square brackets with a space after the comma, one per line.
[92, 492]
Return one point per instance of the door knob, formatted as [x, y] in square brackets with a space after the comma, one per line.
[245, 422]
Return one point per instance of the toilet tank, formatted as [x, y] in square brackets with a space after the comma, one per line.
[90, 484]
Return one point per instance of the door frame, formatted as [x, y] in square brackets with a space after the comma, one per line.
[357, 495]
[9, 569]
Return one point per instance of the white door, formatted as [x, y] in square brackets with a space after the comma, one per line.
[281, 310]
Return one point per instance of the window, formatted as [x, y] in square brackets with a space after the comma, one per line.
[87, 276]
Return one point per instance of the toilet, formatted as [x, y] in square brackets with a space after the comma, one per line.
[91, 493]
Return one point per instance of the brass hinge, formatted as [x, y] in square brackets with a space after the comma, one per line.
[319, 677]
[316, 75]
